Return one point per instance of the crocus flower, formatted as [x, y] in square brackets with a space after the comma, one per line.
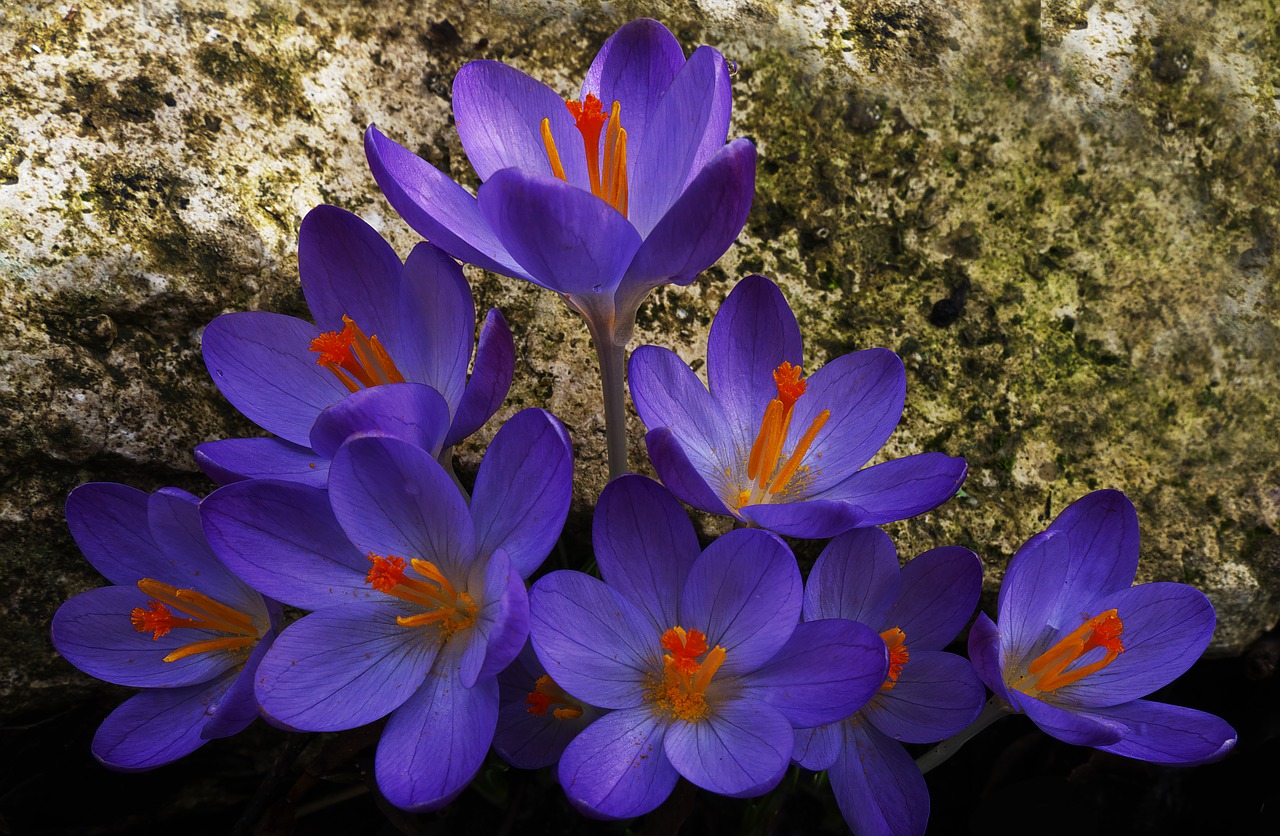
[927, 696]
[378, 322]
[419, 600]
[776, 449]
[699, 657]
[536, 718]
[1078, 645]
[600, 199]
[175, 622]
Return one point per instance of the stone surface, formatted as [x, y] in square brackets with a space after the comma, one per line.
[1064, 222]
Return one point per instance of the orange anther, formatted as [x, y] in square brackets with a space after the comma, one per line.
[790, 385]
[1049, 671]
[355, 359]
[385, 573]
[896, 641]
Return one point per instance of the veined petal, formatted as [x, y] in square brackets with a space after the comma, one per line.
[411, 412]
[675, 467]
[740, 750]
[645, 545]
[524, 739]
[237, 706]
[490, 378]
[174, 518]
[432, 339]
[818, 748]
[236, 459]
[878, 787]
[1029, 593]
[567, 238]
[1101, 529]
[901, 488]
[940, 591]
[985, 655]
[347, 269]
[935, 696]
[616, 768]
[1168, 734]
[1075, 727]
[502, 627]
[434, 744]
[109, 524]
[263, 364]
[812, 519]
[157, 726]
[856, 577]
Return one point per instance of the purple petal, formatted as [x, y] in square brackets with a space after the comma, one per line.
[690, 124]
[109, 524]
[157, 726]
[490, 379]
[1030, 592]
[432, 340]
[523, 489]
[985, 653]
[740, 750]
[347, 269]
[699, 227]
[93, 632]
[392, 498]
[676, 469]
[502, 627]
[283, 539]
[826, 672]
[436, 207]
[811, 518]
[1166, 628]
[567, 238]
[174, 517]
[940, 590]
[936, 696]
[435, 743]
[1075, 727]
[878, 787]
[524, 739]
[237, 707]
[263, 364]
[343, 667]
[744, 593]
[817, 749]
[236, 459]
[901, 488]
[644, 545]
[1168, 734]
[752, 334]
[635, 67]
[616, 768]
[1102, 528]
[412, 412]
[856, 577]
[594, 642]
[499, 112]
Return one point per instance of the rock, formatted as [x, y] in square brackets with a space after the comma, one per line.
[1114, 323]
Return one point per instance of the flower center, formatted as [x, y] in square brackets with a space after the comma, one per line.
[608, 177]
[896, 640]
[355, 359]
[205, 614]
[545, 694]
[770, 475]
[446, 608]
[681, 691]
[1049, 671]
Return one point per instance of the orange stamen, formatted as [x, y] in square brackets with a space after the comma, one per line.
[206, 614]
[445, 607]
[681, 690]
[1048, 671]
[553, 155]
[685, 647]
[896, 641]
[790, 385]
[783, 478]
[547, 693]
[768, 475]
[229, 643]
[355, 359]
[608, 176]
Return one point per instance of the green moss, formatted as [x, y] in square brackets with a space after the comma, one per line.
[271, 78]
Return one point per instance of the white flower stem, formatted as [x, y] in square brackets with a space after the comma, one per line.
[994, 710]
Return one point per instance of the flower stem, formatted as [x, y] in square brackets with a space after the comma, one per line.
[995, 709]
[613, 356]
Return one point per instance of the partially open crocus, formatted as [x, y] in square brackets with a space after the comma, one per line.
[536, 718]
[700, 657]
[419, 599]
[773, 446]
[600, 198]
[1077, 646]
[378, 323]
[927, 696]
[176, 622]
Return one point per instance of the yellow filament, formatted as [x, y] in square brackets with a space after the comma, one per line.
[789, 469]
[772, 417]
[552, 154]
[207, 612]
[229, 643]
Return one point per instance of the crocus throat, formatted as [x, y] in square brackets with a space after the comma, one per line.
[607, 176]
[446, 608]
[358, 361]
[681, 691]
[545, 694]
[205, 614]
[1049, 671]
[896, 641]
[769, 472]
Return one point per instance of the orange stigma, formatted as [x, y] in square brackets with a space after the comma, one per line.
[607, 176]
[446, 608]
[680, 692]
[770, 475]
[205, 614]
[358, 361]
[545, 694]
[896, 641]
[1048, 672]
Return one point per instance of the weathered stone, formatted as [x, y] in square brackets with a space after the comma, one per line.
[1093, 194]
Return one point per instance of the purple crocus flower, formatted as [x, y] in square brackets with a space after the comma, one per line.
[601, 199]
[536, 718]
[176, 623]
[419, 600]
[700, 658]
[378, 322]
[775, 449]
[927, 696]
[1078, 645]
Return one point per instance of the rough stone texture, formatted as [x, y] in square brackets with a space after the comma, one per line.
[1063, 221]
